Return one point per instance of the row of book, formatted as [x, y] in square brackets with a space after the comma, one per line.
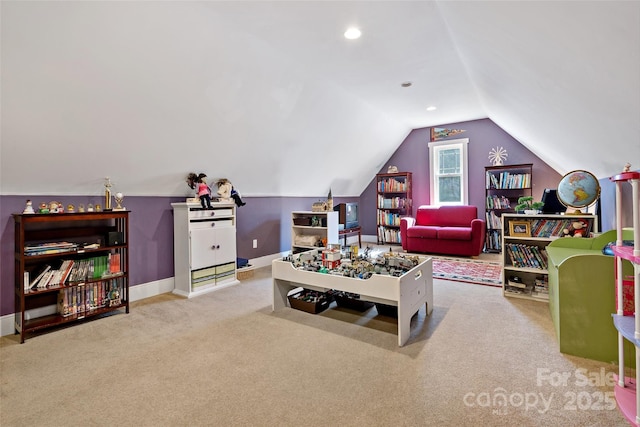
[498, 202]
[387, 218]
[493, 221]
[82, 299]
[493, 240]
[525, 256]
[507, 180]
[387, 235]
[551, 227]
[392, 185]
[392, 202]
[72, 271]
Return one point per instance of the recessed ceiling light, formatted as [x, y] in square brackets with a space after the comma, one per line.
[431, 108]
[352, 33]
[406, 84]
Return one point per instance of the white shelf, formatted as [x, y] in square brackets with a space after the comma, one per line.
[628, 327]
[528, 273]
[327, 229]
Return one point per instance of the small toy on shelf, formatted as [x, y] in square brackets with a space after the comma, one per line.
[226, 191]
[28, 209]
[576, 229]
[203, 192]
[627, 167]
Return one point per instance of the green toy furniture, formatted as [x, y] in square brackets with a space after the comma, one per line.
[582, 297]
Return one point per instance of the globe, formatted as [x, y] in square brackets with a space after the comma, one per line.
[578, 189]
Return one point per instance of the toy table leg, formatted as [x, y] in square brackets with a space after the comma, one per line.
[280, 290]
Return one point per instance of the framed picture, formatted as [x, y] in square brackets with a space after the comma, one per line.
[519, 229]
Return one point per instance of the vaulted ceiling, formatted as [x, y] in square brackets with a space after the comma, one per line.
[271, 95]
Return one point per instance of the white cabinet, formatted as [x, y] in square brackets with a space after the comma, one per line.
[204, 248]
[311, 230]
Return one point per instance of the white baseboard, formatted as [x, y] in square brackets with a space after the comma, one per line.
[151, 289]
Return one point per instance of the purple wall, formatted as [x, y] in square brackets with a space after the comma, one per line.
[268, 219]
[150, 238]
[413, 156]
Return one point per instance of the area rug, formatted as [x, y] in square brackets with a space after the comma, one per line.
[468, 270]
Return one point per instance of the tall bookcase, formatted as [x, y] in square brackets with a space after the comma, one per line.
[628, 326]
[525, 239]
[394, 201]
[82, 262]
[504, 185]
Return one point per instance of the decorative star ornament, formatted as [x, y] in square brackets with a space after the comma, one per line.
[497, 156]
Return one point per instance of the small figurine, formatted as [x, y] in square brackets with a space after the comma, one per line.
[71, 208]
[203, 191]
[54, 206]
[28, 209]
[80, 207]
[226, 191]
[627, 167]
[44, 208]
[90, 207]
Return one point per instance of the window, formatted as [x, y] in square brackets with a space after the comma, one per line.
[448, 169]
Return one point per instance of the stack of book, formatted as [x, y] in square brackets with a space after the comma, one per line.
[49, 248]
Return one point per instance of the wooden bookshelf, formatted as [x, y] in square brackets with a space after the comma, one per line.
[394, 201]
[97, 280]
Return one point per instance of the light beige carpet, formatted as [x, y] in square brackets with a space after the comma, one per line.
[225, 359]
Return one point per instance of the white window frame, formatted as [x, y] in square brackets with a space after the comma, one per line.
[434, 148]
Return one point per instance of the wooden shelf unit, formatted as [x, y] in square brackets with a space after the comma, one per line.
[628, 326]
[309, 229]
[525, 256]
[504, 185]
[41, 308]
[394, 200]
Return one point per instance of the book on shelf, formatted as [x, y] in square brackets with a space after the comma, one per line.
[49, 248]
[33, 283]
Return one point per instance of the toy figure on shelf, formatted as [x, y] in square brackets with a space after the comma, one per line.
[199, 183]
[578, 228]
[227, 192]
[28, 209]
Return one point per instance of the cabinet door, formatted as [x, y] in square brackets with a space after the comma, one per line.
[203, 248]
[225, 245]
[212, 246]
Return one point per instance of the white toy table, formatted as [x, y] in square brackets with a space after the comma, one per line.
[407, 292]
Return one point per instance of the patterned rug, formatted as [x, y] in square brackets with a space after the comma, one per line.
[468, 270]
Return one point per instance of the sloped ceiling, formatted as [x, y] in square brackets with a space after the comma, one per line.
[273, 97]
